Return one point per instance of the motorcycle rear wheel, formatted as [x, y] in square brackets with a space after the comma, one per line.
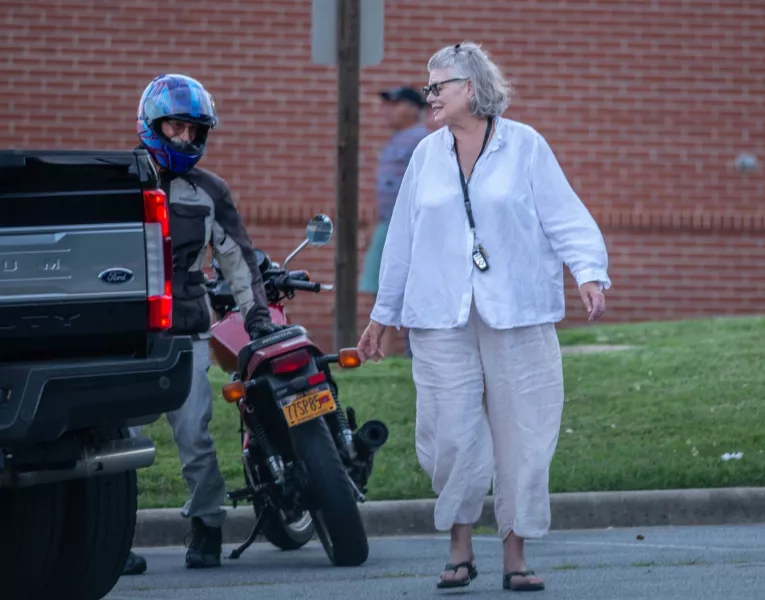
[333, 506]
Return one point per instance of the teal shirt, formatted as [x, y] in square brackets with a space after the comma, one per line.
[392, 164]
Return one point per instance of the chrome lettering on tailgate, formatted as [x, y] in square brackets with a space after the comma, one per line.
[72, 263]
[32, 264]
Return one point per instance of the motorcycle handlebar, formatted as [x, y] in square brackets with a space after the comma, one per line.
[296, 284]
[283, 283]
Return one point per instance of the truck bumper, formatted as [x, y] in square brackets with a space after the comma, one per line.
[40, 401]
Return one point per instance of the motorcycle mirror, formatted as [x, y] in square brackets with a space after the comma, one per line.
[319, 230]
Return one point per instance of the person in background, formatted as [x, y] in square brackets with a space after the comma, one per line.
[403, 108]
[473, 265]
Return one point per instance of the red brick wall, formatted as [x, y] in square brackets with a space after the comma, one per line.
[646, 104]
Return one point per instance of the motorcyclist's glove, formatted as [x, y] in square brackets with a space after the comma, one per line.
[262, 329]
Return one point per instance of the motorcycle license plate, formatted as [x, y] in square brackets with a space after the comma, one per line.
[305, 407]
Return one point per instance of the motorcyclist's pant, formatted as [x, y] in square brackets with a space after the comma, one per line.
[196, 451]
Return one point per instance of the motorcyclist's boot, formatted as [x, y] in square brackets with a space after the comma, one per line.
[135, 565]
[206, 546]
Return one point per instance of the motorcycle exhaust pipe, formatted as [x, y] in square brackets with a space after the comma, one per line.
[116, 456]
[370, 437]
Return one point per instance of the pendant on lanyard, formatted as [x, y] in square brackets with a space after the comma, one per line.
[479, 254]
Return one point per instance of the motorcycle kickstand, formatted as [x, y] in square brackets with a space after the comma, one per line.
[259, 525]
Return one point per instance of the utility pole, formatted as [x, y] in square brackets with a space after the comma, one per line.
[346, 200]
[347, 34]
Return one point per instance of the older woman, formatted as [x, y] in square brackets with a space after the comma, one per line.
[473, 266]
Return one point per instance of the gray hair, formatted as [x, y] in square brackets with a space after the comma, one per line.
[491, 92]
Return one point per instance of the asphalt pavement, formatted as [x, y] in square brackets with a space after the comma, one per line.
[660, 563]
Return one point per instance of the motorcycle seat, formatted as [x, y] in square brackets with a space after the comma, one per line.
[245, 354]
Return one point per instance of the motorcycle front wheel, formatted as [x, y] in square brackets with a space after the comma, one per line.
[287, 535]
[282, 533]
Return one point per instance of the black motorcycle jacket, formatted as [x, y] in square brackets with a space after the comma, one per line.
[202, 213]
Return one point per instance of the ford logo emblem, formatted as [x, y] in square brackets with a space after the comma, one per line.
[116, 276]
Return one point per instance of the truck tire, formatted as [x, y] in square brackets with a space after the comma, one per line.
[30, 531]
[289, 536]
[333, 505]
[96, 537]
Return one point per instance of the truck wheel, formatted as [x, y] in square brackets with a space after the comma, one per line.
[97, 536]
[289, 536]
[30, 530]
[334, 509]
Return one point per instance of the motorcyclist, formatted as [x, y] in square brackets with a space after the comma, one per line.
[175, 114]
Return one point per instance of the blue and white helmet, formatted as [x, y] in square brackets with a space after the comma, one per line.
[181, 98]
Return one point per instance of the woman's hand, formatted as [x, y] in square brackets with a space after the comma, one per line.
[594, 299]
[369, 345]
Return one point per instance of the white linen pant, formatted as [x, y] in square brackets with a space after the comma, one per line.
[489, 404]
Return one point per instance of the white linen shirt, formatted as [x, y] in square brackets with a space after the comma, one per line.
[527, 217]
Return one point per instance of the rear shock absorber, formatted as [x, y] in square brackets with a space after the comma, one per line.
[342, 423]
[274, 461]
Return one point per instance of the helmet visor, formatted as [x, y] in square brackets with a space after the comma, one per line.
[182, 100]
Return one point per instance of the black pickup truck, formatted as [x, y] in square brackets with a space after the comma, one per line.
[85, 352]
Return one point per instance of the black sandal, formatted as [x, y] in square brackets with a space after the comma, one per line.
[523, 587]
[454, 583]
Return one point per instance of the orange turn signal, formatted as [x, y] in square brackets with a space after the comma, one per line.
[348, 358]
[234, 392]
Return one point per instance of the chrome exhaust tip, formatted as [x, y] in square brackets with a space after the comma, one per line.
[115, 456]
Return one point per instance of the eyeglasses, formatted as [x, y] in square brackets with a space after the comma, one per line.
[178, 128]
[435, 88]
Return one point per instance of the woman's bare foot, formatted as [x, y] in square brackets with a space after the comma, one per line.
[515, 563]
[460, 551]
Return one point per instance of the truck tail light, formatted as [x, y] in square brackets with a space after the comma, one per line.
[159, 260]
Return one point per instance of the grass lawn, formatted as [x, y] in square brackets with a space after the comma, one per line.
[659, 416]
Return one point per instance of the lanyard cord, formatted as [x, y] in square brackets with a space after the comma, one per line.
[468, 209]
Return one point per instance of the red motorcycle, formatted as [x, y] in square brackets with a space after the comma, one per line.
[306, 464]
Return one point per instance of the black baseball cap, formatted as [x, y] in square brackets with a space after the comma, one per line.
[406, 94]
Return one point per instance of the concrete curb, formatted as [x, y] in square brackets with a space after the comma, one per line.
[587, 510]
[577, 349]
